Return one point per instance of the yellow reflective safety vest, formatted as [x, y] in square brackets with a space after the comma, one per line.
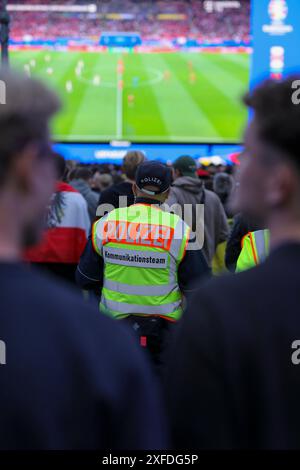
[255, 249]
[142, 247]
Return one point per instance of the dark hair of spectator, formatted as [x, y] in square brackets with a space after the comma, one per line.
[60, 165]
[276, 116]
[81, 173]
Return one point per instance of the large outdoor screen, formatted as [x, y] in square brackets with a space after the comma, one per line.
[143, 71]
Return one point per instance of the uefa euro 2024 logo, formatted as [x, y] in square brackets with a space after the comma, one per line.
[278, 10]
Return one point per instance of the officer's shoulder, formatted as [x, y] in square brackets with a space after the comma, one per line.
[113, 214]
[119, 212]
[179, 220]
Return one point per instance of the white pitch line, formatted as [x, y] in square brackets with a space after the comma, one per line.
[119, 119]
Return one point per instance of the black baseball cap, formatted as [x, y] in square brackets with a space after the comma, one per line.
[153, 174]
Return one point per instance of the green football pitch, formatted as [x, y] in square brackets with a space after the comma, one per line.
[144, 97]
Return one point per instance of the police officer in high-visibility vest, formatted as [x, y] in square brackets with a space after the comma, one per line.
[255, 249]
[138, 258]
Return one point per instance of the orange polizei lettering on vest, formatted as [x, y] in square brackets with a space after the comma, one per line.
[144, 234]
[167, 236]
[109, 231]
[156, 236]
[133, 232]
[121, 231]
[154, 233]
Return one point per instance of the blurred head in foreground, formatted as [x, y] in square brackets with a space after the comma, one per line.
[269, 176]
[27, 169]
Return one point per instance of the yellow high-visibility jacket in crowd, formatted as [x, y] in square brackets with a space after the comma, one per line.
[255, 249]
[142, 247]
[218, 262]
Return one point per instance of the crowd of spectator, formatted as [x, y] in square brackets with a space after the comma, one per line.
[102, 176]
[102, 185]
[231, 24]
[73, 378]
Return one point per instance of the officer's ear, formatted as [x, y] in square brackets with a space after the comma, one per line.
[165, 195]
[134, 189]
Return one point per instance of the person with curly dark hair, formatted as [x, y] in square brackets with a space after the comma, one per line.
[233, 380]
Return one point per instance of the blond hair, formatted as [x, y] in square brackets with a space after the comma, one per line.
[131, 161]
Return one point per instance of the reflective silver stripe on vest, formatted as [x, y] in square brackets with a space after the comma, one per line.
[99, 230]
[260, 245]
[127, 309]
[134, 258]
[179, 233]
[129, 289]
